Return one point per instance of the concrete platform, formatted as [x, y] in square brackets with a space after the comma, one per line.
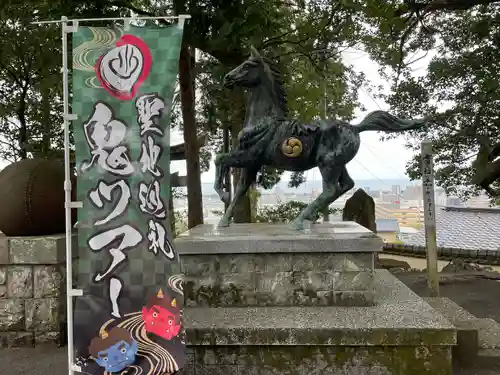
[344, 236]
[274, 265]
[466, 350]
[401, 335]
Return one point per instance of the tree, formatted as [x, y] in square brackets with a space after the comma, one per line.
[187, 87]
[290, 31]
[412, 6]
[28, 84]
[460, 90]
[30, 79]
[318, 27]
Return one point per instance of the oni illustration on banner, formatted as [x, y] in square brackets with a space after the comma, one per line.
[129, 319]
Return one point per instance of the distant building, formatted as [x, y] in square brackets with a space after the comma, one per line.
[480, 201]
[412, 216]
[412, 192]
[396, 189]
[405, 233]
[374, 193]
[464, 228]
[383, 210]
[453, 201]
[391, 198]
[388, 229]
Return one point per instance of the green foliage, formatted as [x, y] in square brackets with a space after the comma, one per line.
[30, 99]
[307, 39]
[30, 77]
[306, 42]
[180, 221]
[283, 212]
[460, 88]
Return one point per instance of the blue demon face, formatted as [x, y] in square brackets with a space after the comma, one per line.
[118, 356]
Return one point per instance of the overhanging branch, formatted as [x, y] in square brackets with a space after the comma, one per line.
[411, 6]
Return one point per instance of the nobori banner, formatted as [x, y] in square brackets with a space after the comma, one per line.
[129, 319]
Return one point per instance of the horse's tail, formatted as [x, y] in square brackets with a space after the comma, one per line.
[384, 121]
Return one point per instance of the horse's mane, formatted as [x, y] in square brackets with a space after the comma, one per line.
[278, 85]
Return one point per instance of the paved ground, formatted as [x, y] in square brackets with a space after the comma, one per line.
[480, 297]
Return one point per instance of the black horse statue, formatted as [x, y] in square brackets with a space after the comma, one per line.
[271, 138]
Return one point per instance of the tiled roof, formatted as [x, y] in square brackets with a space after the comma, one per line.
[387, 225]
[464, 228]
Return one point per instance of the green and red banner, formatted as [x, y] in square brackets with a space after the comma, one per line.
[129, 319]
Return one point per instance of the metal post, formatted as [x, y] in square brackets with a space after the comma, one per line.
[67, 196]
[430, 217]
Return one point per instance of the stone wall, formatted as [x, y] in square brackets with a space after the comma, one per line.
[32, 290]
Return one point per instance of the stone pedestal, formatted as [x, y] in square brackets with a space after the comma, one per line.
[274, 265]
[263, 299]
[32, 290]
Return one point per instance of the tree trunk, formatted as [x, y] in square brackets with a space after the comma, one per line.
[187, 86]
[171, 214]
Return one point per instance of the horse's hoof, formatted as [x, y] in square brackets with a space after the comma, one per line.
[223, 223]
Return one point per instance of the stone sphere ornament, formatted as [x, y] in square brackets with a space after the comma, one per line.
[32, 198]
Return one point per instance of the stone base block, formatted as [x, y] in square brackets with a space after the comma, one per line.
[271, 265]
[34, 249]
[32, 289]
[333, 237]
[400, 335]
[288, 288]
[319, 360]
[466, 351]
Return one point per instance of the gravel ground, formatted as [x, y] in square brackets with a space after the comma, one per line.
[480, 297]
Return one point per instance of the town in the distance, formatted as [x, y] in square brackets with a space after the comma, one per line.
[398, 203]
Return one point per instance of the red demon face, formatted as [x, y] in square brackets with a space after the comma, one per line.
[162, 317]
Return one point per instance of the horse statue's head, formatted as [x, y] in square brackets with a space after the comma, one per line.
[248, 74]
[259, 71]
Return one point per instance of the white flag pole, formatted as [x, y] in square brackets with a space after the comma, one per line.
[68, 204]
[67, 197]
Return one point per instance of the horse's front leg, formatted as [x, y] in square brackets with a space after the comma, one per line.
[247, 177]
[244, 159]
[220, 174]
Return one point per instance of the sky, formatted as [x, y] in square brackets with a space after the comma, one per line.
[376, 159]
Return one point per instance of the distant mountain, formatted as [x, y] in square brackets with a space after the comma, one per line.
[308, 186]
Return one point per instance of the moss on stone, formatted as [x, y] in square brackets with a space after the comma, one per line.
[299, 360]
